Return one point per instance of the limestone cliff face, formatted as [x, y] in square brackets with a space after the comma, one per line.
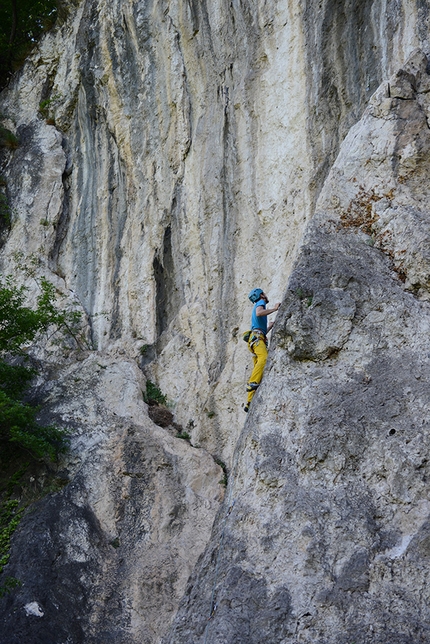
[325, 533]
[190, 142]
[175, 163]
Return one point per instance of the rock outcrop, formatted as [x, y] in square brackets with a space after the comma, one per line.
[325, 533]
[172, 156]
[107, 558]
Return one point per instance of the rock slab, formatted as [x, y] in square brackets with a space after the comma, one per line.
[325, 532]
[107, 558]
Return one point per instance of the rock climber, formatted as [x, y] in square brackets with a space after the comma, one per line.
[257, 339]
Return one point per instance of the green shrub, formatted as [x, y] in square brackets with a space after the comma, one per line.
[18, 426]
[154, 395]
[221, 463]
[21, 25]
[19, 325]
[10, 516]
[24, 443]
[8, 139]
[184, 435]
[9, 583]
[46, 108]
[4, 211]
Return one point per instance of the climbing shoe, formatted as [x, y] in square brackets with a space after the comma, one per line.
[246, 408]
[252, 386]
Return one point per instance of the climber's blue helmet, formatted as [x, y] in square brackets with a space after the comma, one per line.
[255, 294]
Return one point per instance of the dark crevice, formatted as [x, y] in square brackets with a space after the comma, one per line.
[167, 299]
[63, 220]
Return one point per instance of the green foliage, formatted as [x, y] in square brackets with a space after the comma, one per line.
[18, 426]
[221, 463]
[304, 296]
[299, 293]
[4, 211]
[8, 138]
[15, 478]
[10, 516]
[19, 325]
[22, 22]
[154, 395]
[46, 108]
[14, 379]
[184, 435]
[21, 436]
[9, 583]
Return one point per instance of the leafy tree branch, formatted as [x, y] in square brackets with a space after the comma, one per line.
[22, 22]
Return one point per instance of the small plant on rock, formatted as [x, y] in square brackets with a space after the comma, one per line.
[153, 394]
[5, 217]
[8, 139]
[184, 435]
[46, 108]
[221, 463]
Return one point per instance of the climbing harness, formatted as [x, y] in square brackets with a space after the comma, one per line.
[255, 336]
[252, 336]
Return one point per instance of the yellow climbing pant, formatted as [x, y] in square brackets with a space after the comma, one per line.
[259, 355]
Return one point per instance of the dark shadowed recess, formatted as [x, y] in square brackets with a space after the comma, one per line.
[344, 59]
[167, 293]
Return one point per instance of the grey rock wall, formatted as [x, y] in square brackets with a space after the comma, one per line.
[185, 147]
[184, 152]
[106, 559]
[324, 530]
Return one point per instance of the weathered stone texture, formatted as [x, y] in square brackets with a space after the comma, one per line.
[186, 146]
[191, 140]
[107, 558]
[329, 497]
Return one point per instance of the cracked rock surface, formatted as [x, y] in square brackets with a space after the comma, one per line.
[325, 530]
[106, 558]
[187, 147]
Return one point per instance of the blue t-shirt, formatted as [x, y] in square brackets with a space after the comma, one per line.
[259, 322]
